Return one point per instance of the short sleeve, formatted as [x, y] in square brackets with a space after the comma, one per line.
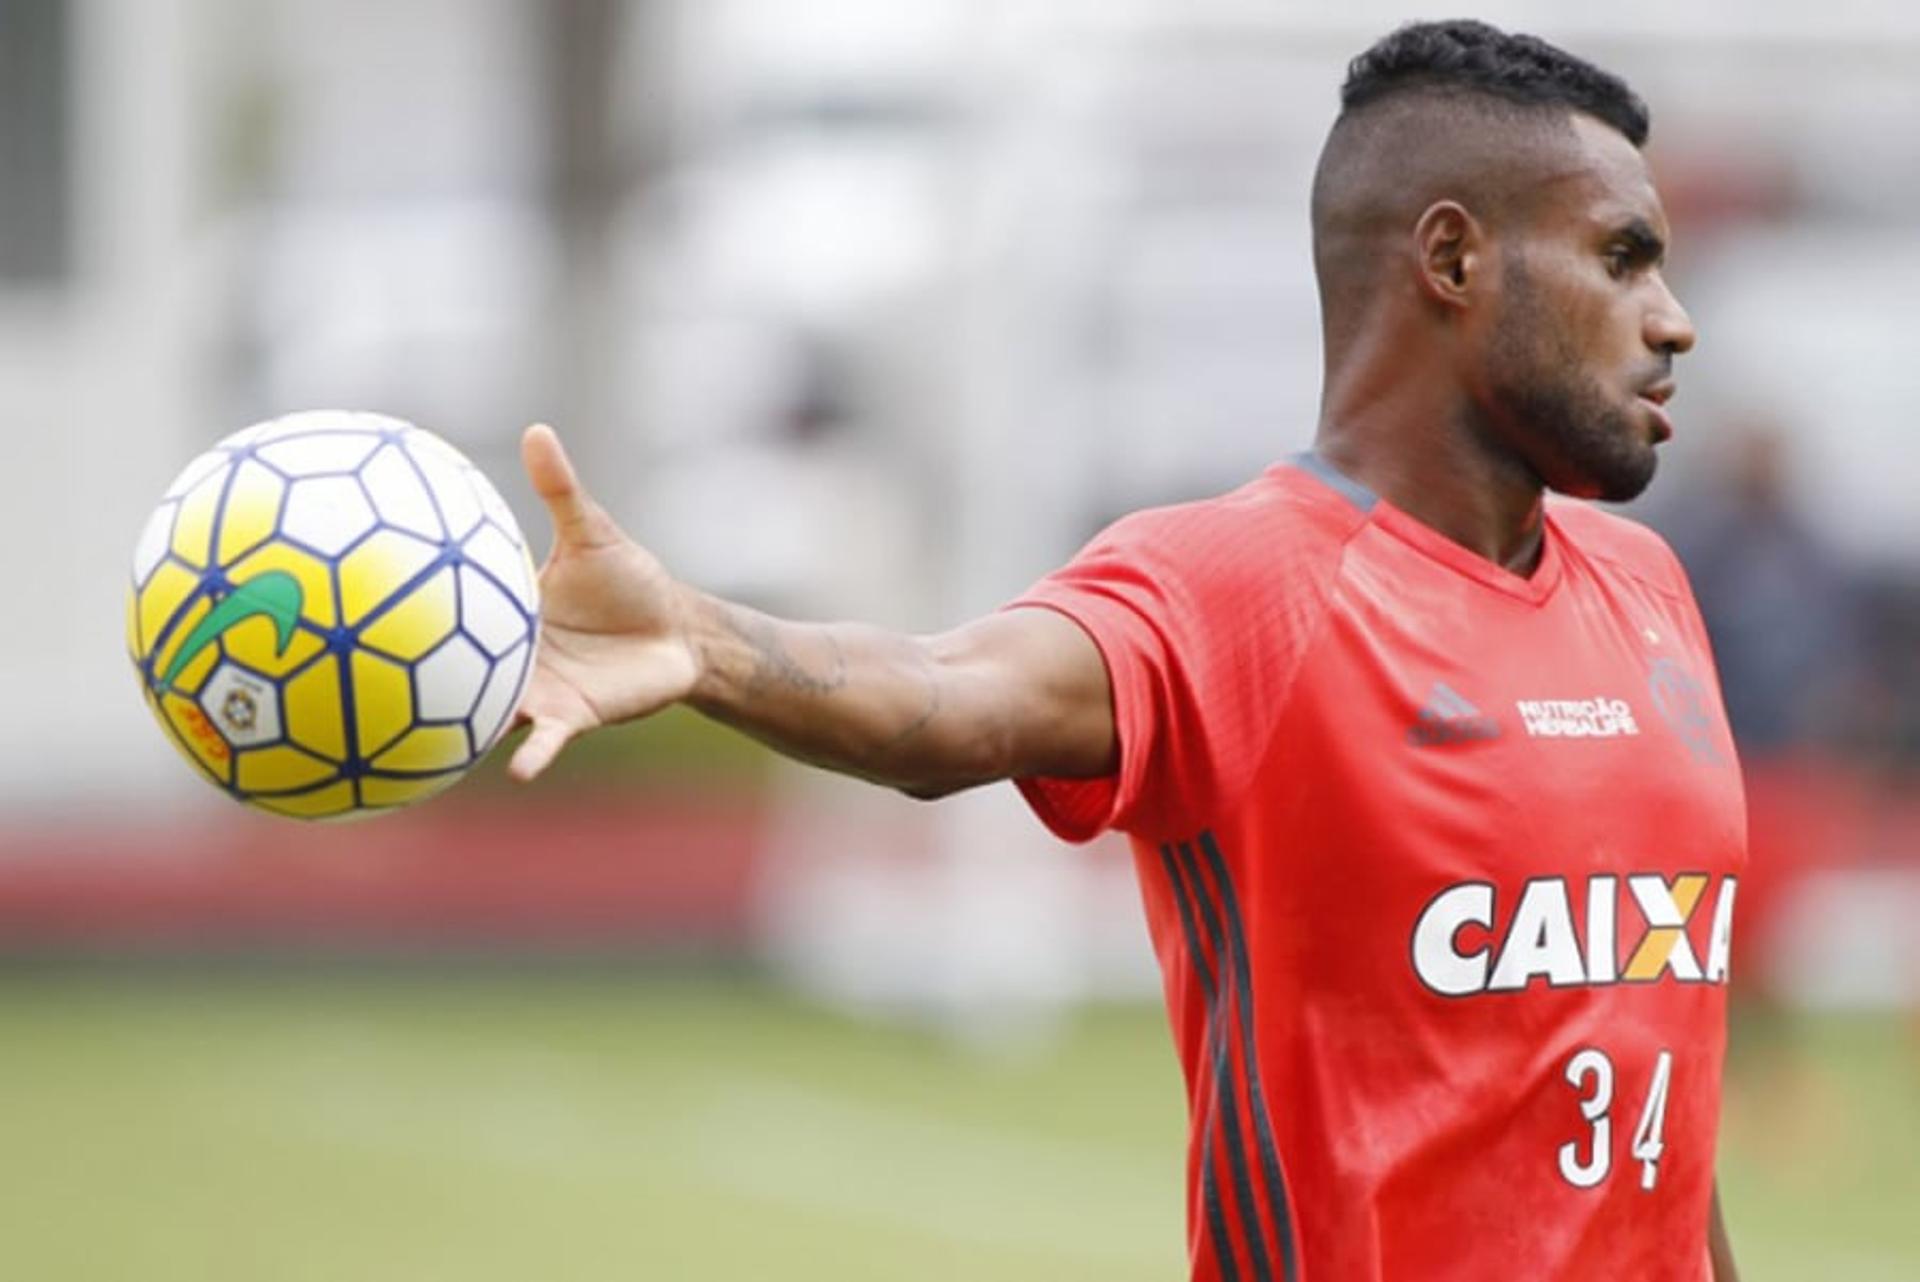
[1201, 618]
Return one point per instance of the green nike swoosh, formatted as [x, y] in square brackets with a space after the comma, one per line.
[275, 594]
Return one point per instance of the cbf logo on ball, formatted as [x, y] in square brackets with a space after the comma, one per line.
[332, 613]
[1632, 930]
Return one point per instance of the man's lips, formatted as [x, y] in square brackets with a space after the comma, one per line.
[1655, 397]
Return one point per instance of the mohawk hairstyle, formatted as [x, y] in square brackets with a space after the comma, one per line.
[1467, 57]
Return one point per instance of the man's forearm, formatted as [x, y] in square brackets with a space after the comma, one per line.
[861, 700]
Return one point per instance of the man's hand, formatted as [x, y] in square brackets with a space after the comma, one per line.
[615, 637]
[1017, 692]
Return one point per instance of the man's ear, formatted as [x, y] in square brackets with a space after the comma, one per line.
[1451, 250]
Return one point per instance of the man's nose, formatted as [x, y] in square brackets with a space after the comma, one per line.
[1668, 327]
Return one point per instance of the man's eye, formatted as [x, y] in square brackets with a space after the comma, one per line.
[1618, 261]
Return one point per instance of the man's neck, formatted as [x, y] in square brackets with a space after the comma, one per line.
[1435, 466]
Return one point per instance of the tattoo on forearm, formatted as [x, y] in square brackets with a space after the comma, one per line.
[775, 665]
[931, 682]
[858, 738]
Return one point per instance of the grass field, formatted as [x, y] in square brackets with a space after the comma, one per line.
[475, 1128]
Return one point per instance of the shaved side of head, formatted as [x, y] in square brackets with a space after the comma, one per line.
[1387, 162]
[1446, 111]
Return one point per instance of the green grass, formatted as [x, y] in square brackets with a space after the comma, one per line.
[484, 1127]
[1820, 1156]
[475, 1129]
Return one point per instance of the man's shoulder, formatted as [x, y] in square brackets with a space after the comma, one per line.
[1600, 535]
[1280, 520]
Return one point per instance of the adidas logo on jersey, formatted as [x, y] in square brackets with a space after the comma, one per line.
[1461, 947]
[1449, 718]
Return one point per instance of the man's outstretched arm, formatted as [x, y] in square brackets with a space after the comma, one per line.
[1022, 692]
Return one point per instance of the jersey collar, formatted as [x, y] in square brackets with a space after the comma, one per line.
[1534, 589]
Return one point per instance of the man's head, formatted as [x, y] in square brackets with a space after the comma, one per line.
[1484, 193]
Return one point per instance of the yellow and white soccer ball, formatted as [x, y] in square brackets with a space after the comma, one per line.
[332, 613]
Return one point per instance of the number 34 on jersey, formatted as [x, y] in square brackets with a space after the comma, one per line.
[1636, 928]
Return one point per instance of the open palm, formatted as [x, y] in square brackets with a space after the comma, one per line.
[613, 640]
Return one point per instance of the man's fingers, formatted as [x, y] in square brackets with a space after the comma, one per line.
[577, 519]
[542, 745]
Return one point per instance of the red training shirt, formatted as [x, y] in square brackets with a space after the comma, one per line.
[1439, 863]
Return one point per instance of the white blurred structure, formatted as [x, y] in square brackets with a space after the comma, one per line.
[864, 307]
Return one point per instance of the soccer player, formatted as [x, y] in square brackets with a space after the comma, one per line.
[1436, 814]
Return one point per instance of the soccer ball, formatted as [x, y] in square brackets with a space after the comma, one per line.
[332, 614]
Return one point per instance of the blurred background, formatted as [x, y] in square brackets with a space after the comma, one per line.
[866, 308]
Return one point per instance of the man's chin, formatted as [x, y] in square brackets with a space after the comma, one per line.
[1629, 481]
[1618, 479]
